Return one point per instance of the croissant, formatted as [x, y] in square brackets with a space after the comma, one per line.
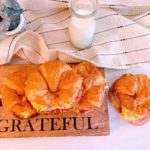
[130, 95]
[52, 86]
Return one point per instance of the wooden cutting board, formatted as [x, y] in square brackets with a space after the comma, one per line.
[94, 123]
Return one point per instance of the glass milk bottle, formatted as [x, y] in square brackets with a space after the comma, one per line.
[82, 22]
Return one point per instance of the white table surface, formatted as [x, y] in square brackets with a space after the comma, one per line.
[123, 136]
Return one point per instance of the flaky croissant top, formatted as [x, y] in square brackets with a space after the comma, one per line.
[54, 85]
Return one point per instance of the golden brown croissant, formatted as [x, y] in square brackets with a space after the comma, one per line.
[93, 86]
[51, 86]
[130, 95]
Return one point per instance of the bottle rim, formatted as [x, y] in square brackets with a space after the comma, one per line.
[83, 16]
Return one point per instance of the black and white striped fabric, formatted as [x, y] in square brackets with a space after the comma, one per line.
[121, 40]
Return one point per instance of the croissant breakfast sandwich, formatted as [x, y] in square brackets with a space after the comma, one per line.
[130, 95]
[52, 86]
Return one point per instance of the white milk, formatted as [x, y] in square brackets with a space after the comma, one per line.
[82, 29]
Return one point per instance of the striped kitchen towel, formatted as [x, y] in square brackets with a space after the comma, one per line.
[121, 40]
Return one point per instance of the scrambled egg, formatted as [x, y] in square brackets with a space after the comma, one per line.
[129, 115]
[38, 107]
[25, 114]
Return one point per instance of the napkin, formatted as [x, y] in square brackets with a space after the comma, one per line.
[121, 39]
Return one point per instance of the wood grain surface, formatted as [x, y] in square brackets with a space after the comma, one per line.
[94, 123]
